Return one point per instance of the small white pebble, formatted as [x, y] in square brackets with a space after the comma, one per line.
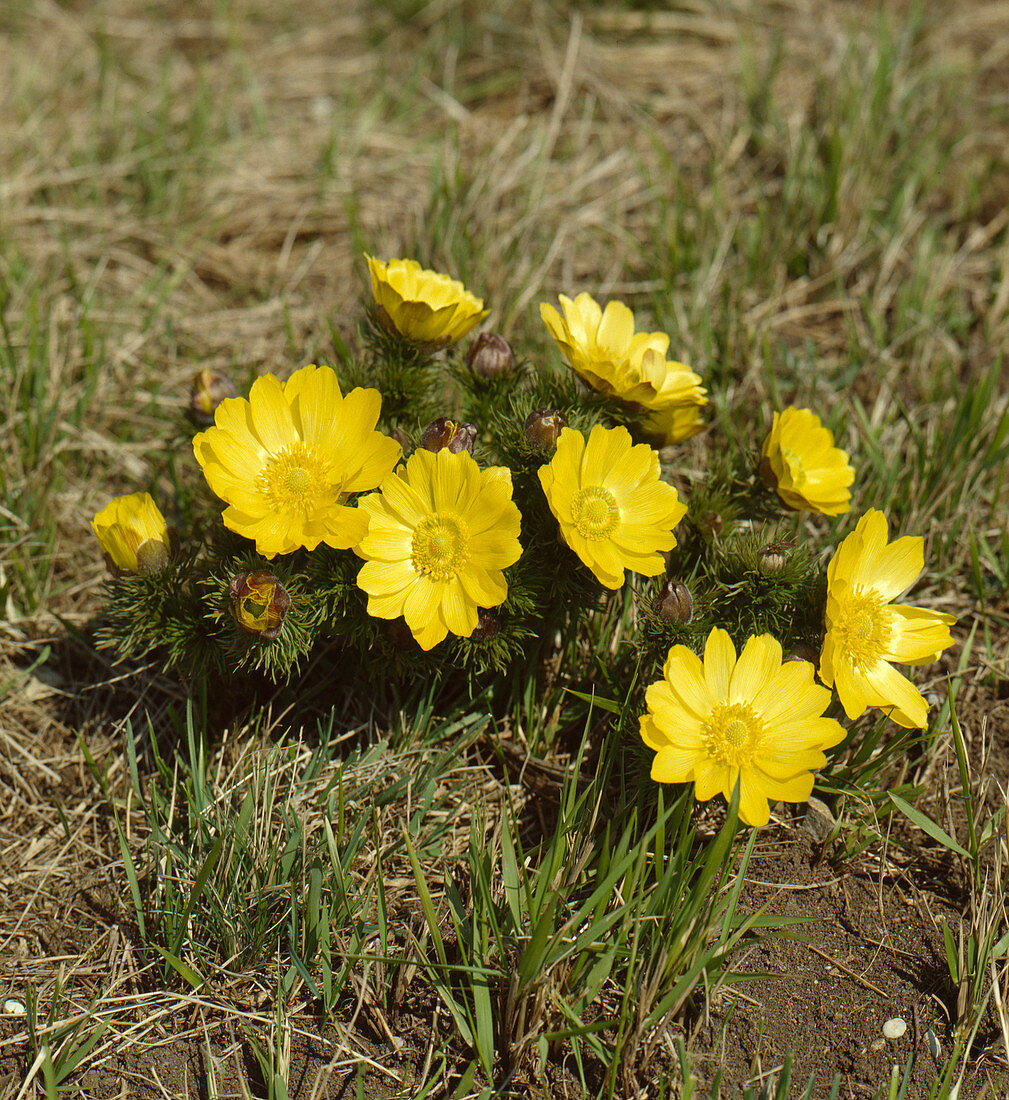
[893, 1029]
[933, 1043]
[14, 1007]
[877, 1045]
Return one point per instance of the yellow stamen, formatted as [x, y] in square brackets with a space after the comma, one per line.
[594, 512]
[862, 627]
[296, 479]
[732, 734]
[440, 545]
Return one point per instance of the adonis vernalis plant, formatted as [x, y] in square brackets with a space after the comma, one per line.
[133, 534]
[423, 306]
[601, 346]
[801, 463]
[440, 531]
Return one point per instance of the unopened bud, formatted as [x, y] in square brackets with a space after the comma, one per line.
[543, 427]
[490, 354]
[442, 434]
[133, 535]
[259, 603]
[674, 602]
[488, 624]
[773, 557]
[210, 388]
[803, 651]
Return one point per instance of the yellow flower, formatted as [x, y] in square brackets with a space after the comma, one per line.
[674, 424]
[133, 534]
[614, 510]
[428, 308]
[287, 459]
[602, 347]
[865, 631]
[802, 464]
[441, 532]
[753, 720]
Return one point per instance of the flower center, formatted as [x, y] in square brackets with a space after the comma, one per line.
[440, 545]
[863, 627]
[594, 512]
[295, 480]
[732, 734]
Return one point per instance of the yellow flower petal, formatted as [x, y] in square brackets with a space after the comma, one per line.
[753, 807]
[919, 635]
[684, 675]
[673, 764]
[760, 659]
[271, 414]
[719, 663]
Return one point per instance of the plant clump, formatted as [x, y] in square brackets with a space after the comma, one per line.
[478, 539]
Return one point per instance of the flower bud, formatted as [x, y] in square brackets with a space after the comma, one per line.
[259, 603]
[133, 535]
[674, 602]
[444, 433]
[210, 388]
[490, 354]
[773, 557]
[543, 428]
[803, 651]
[488, 624]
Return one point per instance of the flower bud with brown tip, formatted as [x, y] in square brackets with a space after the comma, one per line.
[543, 428]
[490, 354]
[209, 389]
[259, 603]
[773, 557]
[488, 624]
[803, 651]
[674, 602]
[444, 433]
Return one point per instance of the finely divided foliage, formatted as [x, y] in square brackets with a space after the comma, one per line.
[461, 716]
